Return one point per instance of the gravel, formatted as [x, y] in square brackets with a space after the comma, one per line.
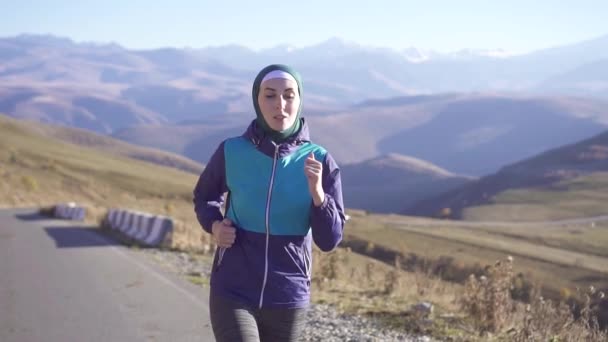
[325, 323]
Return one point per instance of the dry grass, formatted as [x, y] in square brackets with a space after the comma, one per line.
[483, 309]
[496, 240]
[357, 284]
[550, 254]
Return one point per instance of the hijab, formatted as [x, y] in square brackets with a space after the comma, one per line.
[276, 71]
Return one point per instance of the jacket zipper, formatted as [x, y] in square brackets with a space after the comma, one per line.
[307, 262]
[222, 250]
[274, 166]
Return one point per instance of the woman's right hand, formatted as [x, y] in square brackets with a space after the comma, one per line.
[223, 233]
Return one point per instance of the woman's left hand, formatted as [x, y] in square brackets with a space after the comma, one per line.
[314, 171]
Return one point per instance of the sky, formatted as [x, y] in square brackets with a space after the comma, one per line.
[517, 26]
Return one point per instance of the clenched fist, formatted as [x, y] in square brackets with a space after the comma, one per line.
[223, 233]
[314, 172]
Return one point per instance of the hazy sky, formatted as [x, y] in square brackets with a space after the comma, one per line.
[514, 25]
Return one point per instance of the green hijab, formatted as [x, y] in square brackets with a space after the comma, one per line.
[276, 136]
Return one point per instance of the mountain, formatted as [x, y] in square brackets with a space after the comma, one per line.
[361, 101]
[388, 183]
[195, 139]
[415, 71]
[563, 179]
[469, 134]
[466, 134]
[102, 113]
[171, 85]
[558, 59]
[105, 88]
[587, 79]
[478, 134]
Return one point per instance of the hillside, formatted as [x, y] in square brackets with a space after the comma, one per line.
[57, 159]
[570, 181]
[388, 183]
[86, 138]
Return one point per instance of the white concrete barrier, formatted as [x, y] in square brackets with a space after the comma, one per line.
[112, 215]
[145, 222]
[161, 227]
[70, 211]
[145, 228]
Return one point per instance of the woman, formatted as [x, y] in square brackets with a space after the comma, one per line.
[284, 191]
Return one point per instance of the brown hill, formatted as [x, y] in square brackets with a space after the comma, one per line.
[388, 183]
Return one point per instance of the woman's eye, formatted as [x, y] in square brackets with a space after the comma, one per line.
[269, 96]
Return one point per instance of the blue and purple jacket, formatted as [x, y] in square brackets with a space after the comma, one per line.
[269, 264]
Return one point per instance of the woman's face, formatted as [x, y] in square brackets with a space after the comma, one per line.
[279, 101]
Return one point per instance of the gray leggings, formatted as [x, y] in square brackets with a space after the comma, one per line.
[235, 322]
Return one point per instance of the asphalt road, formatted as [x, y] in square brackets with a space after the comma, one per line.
[61, 281]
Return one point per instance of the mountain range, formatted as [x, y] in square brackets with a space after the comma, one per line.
[406, 114]
[466, 134]
[42, 74]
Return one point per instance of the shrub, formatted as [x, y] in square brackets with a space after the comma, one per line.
[544, 320]
[392, 281]
[51, 165]
[487, 299]
[369, 248]
[488, 302]
[12, 156]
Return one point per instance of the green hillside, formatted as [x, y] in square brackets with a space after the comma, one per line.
[570, 181]
[582, 196]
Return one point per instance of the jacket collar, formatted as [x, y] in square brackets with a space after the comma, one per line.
[268, 146]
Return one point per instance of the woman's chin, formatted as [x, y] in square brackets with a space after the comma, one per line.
[279, 128]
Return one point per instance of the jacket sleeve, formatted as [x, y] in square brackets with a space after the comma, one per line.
[210, 189]
[327, 220]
